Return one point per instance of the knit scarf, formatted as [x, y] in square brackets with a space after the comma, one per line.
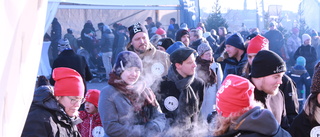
[139, 95]
[188, 101]
[205, 72]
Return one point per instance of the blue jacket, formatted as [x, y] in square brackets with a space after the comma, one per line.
[301, 77]
[233, 66]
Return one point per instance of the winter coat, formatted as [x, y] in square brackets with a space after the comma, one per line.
[256, 122]
[233, 66]
[73, 42]
[68, 58]
[302, 78]
[209, 98]
[172, 29]
[155, 65]
[289, 90]
[107, 39]
[310, 54]
[180, 99]
[276, 41]
[47, 117]
[91, 125]
[293, 43]
[119, 45]
[119, 119]
[276, 104]
[301, 126]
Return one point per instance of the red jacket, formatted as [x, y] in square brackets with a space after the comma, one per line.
[91, 125]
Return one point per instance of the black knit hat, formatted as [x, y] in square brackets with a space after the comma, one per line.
[134, 29]
[236, 40]
[267, 63]
[315, 86]
[181, 54]
[165, 42]
[180, 33]
[126, 59]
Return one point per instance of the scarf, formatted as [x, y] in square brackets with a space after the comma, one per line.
[205, 72]
[188, 101]
[139, 95]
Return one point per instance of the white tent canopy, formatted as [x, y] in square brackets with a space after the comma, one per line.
[25, 24]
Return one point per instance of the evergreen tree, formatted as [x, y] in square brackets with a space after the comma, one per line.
[215, 19]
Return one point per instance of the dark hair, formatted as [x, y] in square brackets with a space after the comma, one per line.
[173, 19]
[312, 103]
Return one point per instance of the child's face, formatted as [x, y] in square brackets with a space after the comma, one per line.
[90, 108]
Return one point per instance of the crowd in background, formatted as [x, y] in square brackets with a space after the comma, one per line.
[179, 81]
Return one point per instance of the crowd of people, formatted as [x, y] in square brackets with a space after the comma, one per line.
[180, 81]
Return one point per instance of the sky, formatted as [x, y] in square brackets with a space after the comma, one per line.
[291, 5]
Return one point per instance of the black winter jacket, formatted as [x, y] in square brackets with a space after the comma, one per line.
[47, 118]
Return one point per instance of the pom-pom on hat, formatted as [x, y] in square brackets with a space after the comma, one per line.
[134, 29]
[236, 40]
[68, 82]
[175, 46]
[126, 59]
[181, 54]
[235, 94]
[202, 48]
[267, 63]
[258, 43]
[92, 96]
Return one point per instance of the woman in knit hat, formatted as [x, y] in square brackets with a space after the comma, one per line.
[307, 123]
[238, 114]
[91, 125]
[126, 106]
[54, 111]
[211, 73]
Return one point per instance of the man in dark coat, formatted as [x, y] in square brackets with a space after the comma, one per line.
[276, 39]
[181, 94]
[68, 58]
[267, 71]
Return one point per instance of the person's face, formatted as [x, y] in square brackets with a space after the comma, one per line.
[251, 57]
[193, 37]
[207, 55]
[130, 75]
[171, 22]
[71, 104]
[90, 108]
[140, 42]
[185, 40]
[307, 42]
[232, 51]
[221, 32]
[188, 67]
[270, 84]
[161, 48]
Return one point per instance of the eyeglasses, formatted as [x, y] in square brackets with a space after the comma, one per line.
[74, 101]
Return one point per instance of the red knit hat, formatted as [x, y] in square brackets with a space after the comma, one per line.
[93, 96]
[68, 82]
[160, 31]
[258, 43]
[235, 94]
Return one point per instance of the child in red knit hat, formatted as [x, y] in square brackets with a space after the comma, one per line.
[91, 125]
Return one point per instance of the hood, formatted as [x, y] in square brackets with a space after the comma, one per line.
[256, 120]
[107, 29]
[43, 97]
[299, 70]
